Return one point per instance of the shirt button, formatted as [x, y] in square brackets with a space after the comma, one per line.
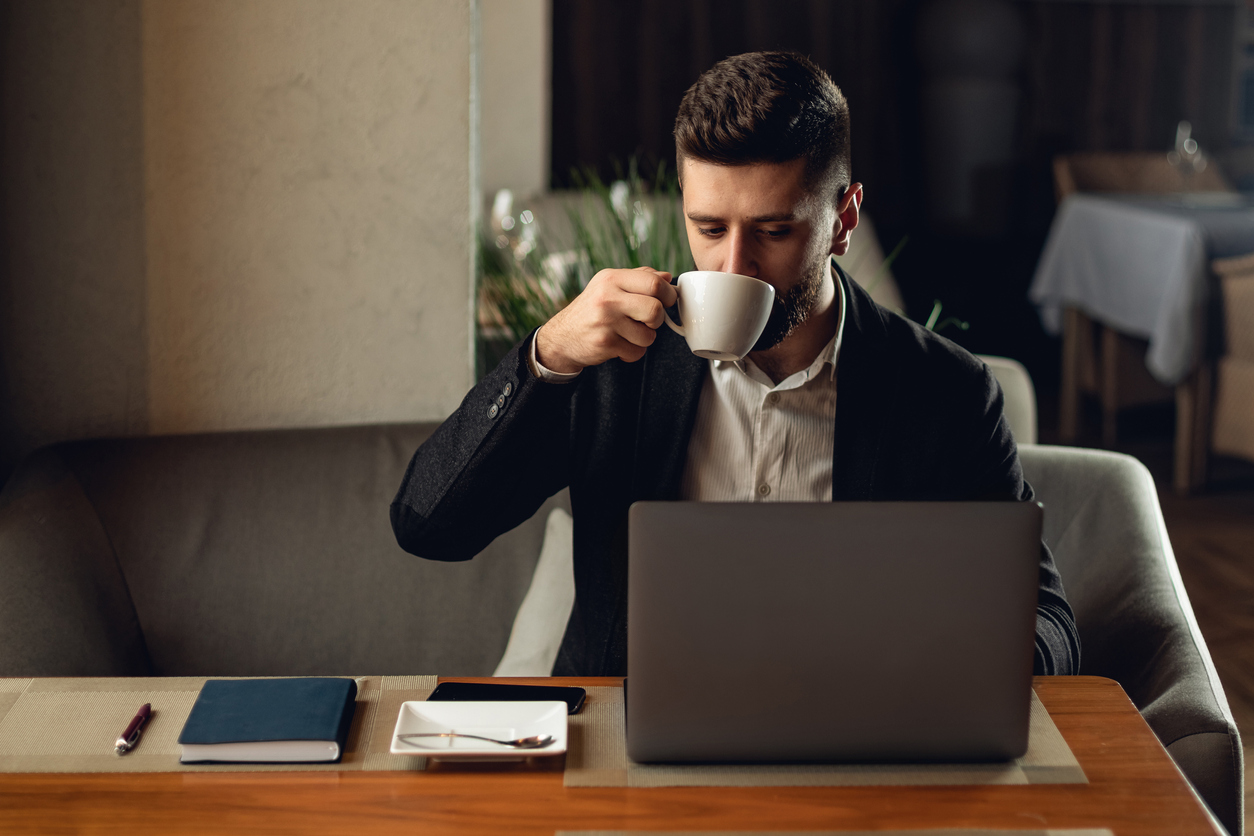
[492, 410]
[772, 399]
[764, 489]
[509, 389]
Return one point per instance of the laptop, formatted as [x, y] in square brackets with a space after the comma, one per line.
[844, 632]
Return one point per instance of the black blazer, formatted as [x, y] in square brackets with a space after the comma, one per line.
[917, 418]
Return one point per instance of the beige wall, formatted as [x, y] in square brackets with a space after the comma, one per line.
[515, 68]
[308, 180]
[224, 214]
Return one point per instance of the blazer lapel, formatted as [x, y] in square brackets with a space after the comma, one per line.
[669, 395]
[866, 389]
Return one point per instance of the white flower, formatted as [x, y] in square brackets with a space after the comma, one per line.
[619, 191]
[641, 223]
[502, 206]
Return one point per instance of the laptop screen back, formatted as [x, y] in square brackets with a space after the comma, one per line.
[830, 631]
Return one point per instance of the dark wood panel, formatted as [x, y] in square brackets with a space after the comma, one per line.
[620, 70]
[1097, 77]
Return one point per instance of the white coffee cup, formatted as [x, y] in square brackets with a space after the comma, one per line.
[723, 314]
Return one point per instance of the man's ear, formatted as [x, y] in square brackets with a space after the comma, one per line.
[846, 218]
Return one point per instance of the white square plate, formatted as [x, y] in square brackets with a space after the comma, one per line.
[503, 720]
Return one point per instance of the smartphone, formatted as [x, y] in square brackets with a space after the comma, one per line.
[491, 692]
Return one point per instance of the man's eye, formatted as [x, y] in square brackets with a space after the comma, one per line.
[776, 233]
[710, 231]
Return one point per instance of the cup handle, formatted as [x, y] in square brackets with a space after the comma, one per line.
[675, 326]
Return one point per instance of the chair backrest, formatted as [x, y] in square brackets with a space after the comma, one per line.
[1236, 277]
[1232, 428]
[1105, 528]
[1134, 171]
[1020, 396]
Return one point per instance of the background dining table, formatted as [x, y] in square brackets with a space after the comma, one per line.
[1140, 264]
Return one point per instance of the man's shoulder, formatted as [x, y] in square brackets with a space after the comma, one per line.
[933, 352]
[921, 357]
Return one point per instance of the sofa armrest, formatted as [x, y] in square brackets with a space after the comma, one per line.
[64, 605]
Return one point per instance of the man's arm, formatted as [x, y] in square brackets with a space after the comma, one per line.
[506, 448]
[1057, 639]
[489, 466]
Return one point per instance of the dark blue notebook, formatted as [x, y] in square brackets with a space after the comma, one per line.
[302, 720]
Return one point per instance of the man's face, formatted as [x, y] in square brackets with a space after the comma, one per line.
[760, 220]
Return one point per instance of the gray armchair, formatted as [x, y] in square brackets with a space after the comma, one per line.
[1105, 528]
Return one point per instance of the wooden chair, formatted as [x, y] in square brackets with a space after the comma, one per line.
[1143, 172]
[1098, 359]
[1233, 426]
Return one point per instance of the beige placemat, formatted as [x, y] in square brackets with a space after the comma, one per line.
[962, 831]
[597, 757]
[70, 725]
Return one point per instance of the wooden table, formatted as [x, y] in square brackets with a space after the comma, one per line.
[1134, 788]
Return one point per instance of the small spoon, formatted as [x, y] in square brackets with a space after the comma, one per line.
[536, 742]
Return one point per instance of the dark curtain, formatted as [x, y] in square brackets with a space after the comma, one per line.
[1118, 77]
[1098, 76]
[620, 69]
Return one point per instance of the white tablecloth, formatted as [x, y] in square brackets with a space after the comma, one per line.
[1140, 264]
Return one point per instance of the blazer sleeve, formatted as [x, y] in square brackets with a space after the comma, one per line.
[999, 476]
[489, 466]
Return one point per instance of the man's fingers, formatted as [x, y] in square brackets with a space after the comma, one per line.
[617, 315]
[646, 309]
[648, 282]
[636, 333]
[629, 352]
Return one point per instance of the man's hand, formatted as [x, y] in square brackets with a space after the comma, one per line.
[616, 315]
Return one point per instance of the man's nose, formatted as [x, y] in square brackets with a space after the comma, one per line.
[740, 256]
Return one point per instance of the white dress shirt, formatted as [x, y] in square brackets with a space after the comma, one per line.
[754, 440]
[757, 441]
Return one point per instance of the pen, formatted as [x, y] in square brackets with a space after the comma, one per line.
[131, 736]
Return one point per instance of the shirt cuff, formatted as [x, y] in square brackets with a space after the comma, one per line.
[539, 372]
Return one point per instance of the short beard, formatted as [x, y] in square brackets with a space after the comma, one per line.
[788, 312]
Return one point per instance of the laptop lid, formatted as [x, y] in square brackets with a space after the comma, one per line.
[878, 631]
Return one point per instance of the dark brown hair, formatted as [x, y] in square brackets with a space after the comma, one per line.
[767, 107]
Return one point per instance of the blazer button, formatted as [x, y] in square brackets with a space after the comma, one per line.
[492, 410]
[500, 401]
[509, 389]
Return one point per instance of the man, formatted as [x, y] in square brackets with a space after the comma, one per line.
[600, 400]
